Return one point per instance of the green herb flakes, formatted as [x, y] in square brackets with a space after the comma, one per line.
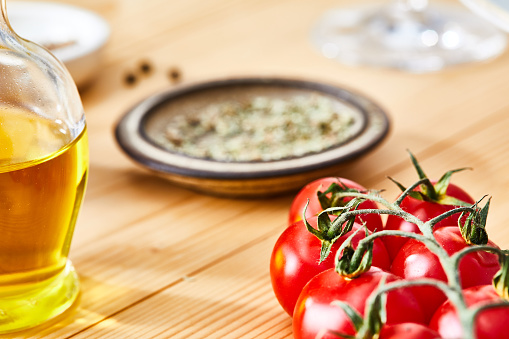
[262, 129]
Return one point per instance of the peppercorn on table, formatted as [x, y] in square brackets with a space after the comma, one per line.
[159, 261]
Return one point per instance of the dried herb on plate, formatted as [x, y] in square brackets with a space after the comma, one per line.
[261, 129]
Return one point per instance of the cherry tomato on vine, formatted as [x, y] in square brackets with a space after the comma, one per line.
[314, 314]
[415, 260]
[489, 324]
[407, 331]
[373, 221]
[295, 256]
[425, 211]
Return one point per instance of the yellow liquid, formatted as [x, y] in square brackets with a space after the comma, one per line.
[43, 174]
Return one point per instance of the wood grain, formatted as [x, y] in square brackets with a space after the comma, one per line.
[159, 261]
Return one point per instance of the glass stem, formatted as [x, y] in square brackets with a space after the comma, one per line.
[415, 6]
[4, 21]
[3, 8]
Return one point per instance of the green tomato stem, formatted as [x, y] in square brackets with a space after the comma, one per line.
[456, 257]
[475, 310]
[407, 191]
[449, 264]
[472, 313]
[457, 210]
[453, 293]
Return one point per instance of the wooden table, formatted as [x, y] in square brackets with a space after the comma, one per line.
[157, 260]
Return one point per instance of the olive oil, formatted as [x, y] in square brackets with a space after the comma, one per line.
[43, 174]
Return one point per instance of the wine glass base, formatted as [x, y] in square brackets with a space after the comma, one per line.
[40, 303]
[388, 36]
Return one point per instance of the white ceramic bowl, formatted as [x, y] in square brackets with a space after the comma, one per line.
[74, 35]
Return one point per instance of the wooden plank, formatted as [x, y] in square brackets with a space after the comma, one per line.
[231, 299]
[156, 260]
[124, 267]
[174, 313]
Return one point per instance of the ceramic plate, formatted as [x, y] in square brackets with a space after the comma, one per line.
[74, 35]
[137, 133]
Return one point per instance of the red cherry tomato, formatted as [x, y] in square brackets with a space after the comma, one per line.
[415, 260]
[373, 221]
[407, 331]
[314, 314]
[424, 210]
[489, 324]
[295, 258]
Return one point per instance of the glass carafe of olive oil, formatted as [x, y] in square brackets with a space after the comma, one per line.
[43, 174]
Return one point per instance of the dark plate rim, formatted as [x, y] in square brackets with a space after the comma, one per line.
[130, 135]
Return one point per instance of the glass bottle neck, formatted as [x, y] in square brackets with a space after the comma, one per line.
[4, 21]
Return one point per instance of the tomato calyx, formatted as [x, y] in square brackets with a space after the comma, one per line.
[354, 262]
[370, 326]
[436, 193]
[376, 315]
[501, 278]
[354, 316]
[332, 196]
[328, 231]
[473, 228]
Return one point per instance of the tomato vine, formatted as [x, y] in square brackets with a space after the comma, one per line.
[352, 264]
